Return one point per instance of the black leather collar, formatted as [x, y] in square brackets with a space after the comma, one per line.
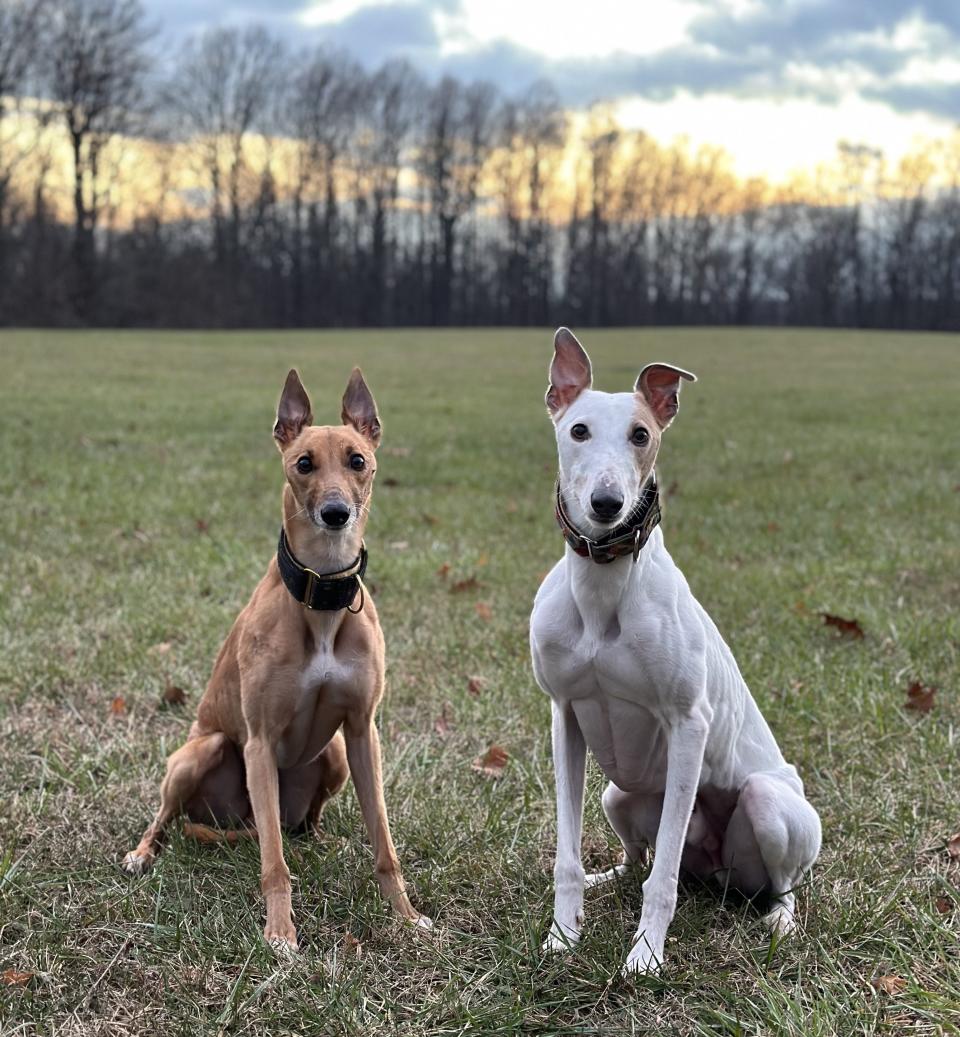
[326, 592]
[624, 539]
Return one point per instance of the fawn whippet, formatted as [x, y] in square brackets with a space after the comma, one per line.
[290, 708]
[637, 671]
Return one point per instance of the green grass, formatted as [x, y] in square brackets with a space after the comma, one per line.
[140, 488]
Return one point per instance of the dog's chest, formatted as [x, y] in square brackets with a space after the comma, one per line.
[613, 695]
[317, 707]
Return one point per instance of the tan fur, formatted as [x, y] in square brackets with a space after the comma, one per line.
[293, 695]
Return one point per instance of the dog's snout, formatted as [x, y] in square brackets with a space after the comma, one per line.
[335, 513]
[606, 504]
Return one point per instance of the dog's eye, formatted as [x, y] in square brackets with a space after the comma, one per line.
[304, 465]
[640, 436]
[357, 462]
[580, 432]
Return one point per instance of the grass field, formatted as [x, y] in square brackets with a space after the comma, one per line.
[807, 472]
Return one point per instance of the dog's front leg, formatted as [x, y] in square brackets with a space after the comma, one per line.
[569, 765]
[363, 755]
[263, 785]
[687, 741]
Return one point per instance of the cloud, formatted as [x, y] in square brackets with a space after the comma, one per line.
[818, 49]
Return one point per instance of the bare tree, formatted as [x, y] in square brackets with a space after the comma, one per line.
[458, 140]
[98, 62]
[222, 87]
[21, 23]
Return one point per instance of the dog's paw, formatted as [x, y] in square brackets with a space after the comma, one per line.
[601, 878]
[641, 961]
[137, 863]
[423, 922]
[780, 921]
[558, 943]
[282, 941]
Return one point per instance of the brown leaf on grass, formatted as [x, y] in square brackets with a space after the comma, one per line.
[773, 527]
[205, 834]
[470, 583]
[173, 696]
[920, 697]
[443, 724]
[203, 525]
[475, 685]
[119, 706]
[390, 481]
[845, 627]
[352, 946]
[482, 561]
[944, 905]
[953, 846]
[889, 984]
[430, 520]
[444, 571]
[484, 611]
[14, 978]
[491, 764]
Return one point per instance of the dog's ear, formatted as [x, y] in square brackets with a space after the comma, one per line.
[294, 412]
[570, 372]
[360, 409]
[659, 384]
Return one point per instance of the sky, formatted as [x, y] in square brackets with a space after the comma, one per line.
[777, 83]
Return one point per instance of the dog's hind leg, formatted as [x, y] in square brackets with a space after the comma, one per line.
[771, 841]
[186, 769]
[333, 777]
[635, 817]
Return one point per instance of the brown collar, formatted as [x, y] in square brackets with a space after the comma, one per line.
[627, 538]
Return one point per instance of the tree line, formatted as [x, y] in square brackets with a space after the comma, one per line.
[238, 183]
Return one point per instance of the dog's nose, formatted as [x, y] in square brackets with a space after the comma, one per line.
[335, 513]
[606, 505]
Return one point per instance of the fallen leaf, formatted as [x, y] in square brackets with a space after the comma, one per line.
[953, 846]
[920, 697]
[205, 834]
[444, 571]
[390, 481]
[13, 978]
[944, 905]
[352, 946]
[889, 984]
[430, 520]
[773, 527]
[491, 764]
[475, 685]
[173, 696]
[484, 611]
[800, 606]
[845, 627]
[161, 648]
[203, 526]
[471, 583]
[482, 561]
[119, 706]
[442, 725]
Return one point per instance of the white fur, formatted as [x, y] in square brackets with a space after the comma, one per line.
[638, 672]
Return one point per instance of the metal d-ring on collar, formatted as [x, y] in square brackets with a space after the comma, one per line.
[325, 592]
[626, 538]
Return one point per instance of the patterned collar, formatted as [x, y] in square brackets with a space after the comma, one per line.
[624, 539]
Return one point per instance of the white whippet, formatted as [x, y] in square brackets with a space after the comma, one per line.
[637, 671]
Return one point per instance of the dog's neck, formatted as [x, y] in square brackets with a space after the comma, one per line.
[319, 549]
[600, 590]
